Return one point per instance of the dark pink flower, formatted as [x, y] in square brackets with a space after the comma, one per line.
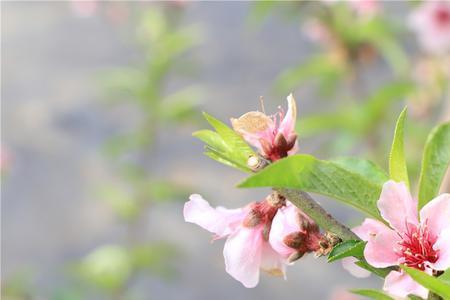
[431, 22]
[247, 249]
[422, 243]
[274, 136]
[293, 233]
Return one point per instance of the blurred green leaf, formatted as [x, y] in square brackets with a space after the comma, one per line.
[107, 267]
[309, 174]
[434, 284]
[435, 162]
[182, 105]
[260, 10]
[161, 191]
[363, 167]
[120, 201]
[347, 248]
[158, 258]
[225, 145]
[397, 161]
[320, 66]
[372, 294]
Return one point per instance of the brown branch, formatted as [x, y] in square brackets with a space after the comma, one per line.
[316, 212]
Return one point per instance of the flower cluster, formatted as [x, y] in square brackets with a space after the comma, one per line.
[417, 240]
[269, 234]
[265, 235]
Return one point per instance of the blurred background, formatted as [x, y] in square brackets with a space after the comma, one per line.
[99, 100]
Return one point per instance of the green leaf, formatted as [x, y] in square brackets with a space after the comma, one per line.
[436, 159]
[107, 267]
[445, 277]
[320, 66]
[397, 162]
[345, 249]
[440, 287]
[382, 272]
[363, 167]
[225, 145]
[414, 297]
[323, 177]
[372, 294]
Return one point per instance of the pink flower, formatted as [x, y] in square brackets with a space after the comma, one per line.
[431, 22]
[247, 249]
[293, 233]
[422, 244]
[274, 136]
[365, 8]
[83, 8]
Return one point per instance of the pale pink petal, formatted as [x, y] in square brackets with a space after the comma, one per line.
[287, 126]
[397, 206]
[380, 247]
[348, 263]
[401, 285]
[443, 245]
[436, 214]
[272, 262]
[284, 223]
[368, 228]
[220, 221]
[343, 294]
[242, 253]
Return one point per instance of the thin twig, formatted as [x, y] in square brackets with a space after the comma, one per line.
[310, 207]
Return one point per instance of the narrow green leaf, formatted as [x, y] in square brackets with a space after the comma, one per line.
[363, 167]
[436, 159]
[397, 162]
[345, 249]
[372, 294]
[445, 277]
[381, 272]
[224, 145]
[414, 297]
[323, 177]
[440, 287]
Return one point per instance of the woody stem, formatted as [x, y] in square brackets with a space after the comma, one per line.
[316, 212]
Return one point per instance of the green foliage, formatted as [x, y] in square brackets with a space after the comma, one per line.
[397, 161]
[225, 145]
[363, 167]
[120, 201]
[347, 248]
[155, 258]
[381, 272]
[321, 67]
[372, 294]
[359, 120]
[107, 267]
[445, 276]
[323, 177]
[435, 162]
[434, 284]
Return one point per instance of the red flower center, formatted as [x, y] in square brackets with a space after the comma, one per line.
[442, 16]
[416, 247]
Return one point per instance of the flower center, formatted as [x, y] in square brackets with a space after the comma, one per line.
[442, 16]
[416, 248]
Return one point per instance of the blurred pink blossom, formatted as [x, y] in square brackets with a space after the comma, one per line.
[431, 22]
[274, 136]
[84, 8]
[365, 8]
[247, 249]
[343, 294]
[424, 244]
